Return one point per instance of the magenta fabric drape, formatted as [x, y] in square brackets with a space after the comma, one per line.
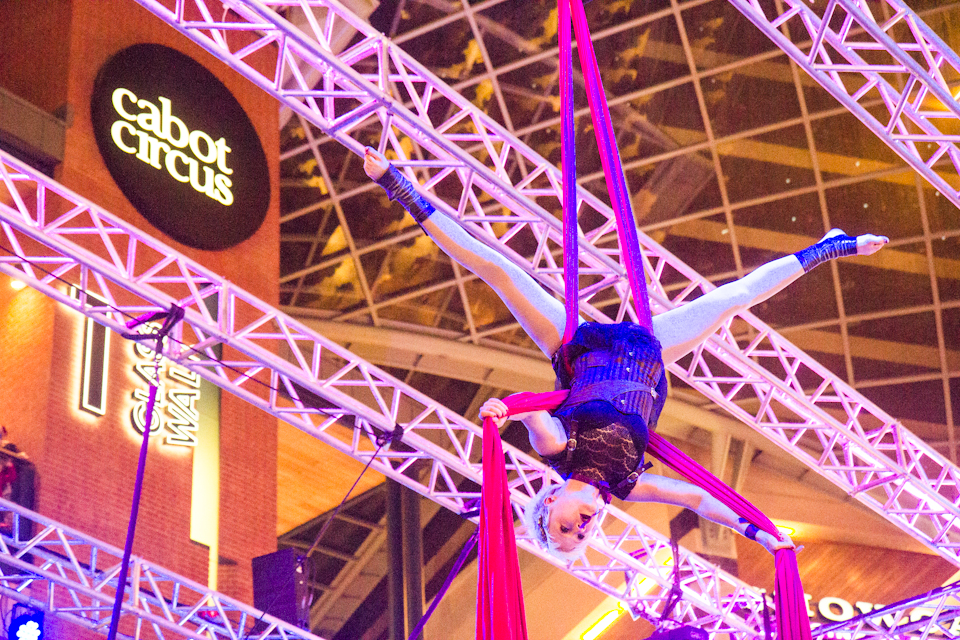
[790, 605]
[500, 613]
[609, 159]
[499, 596]
[568, 164]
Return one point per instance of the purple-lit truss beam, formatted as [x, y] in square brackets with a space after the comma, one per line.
[766, 382]
[932, 615]
[862, 51]
[74, 576]
[54, 240]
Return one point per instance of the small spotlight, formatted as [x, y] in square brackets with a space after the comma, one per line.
[16, 285]
[26, 626]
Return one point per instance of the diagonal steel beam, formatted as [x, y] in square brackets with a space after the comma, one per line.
[56, 241]
[935, 614]
[853, 56]
[798, 404]
[74, 576]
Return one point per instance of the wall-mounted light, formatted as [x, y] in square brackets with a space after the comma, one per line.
[27, 625]
[16, 285]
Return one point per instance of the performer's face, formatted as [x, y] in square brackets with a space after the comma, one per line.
[572, 515]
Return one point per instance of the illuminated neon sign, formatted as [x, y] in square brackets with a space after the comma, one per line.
[180, 147]
[175, 414]
[161, 122]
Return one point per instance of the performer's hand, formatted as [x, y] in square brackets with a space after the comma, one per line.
[771, 544]
[374, 164]
[868, 244]
[496, 409]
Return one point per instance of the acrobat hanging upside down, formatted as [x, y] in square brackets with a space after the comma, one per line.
[615, 374]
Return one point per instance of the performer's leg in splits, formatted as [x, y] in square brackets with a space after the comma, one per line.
[627, 403]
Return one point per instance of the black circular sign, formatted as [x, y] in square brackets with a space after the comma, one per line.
[180, 147]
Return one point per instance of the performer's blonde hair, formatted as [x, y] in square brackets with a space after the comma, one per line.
[536, 516]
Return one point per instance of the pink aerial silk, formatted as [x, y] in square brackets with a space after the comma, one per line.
[790, 604]
[499, 592]
[500, 613]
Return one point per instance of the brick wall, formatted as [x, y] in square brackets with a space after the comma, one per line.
[26, 318]
[35, 44]
[86, 465]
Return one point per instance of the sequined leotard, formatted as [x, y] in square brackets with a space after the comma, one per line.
[617, 388]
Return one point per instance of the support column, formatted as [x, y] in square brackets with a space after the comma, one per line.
[396, 600]
[405, 558]
[412, 558]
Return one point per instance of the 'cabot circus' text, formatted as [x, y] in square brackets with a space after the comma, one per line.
[162, 140]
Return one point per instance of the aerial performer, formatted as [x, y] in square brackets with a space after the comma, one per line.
[615, 373]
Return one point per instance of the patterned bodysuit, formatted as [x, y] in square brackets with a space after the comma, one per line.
[617, 385]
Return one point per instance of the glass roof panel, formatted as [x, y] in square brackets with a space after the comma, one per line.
[872, 289]
[886, 207]
[896, 346]
[762, 166]
[703, 244]
[750, 96]
[779, 224]
[846, 148]
[943, 216]
[946, 256]
[720, 35]
[917, 401]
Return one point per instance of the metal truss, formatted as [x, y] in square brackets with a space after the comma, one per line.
[74, 576]
[56, 241]
[767, 382]
[858, 54]
[934, 614]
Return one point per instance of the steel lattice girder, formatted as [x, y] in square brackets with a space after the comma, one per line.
[854, 57]
[55, 240]
[936, 614]
[768, 383]
[74, 576]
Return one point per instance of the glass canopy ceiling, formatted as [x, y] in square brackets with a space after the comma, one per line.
[733, 155]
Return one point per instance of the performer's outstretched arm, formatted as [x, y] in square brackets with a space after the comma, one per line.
[540, 314]
[654, 488]
[680, 330]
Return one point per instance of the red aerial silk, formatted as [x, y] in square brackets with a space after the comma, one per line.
[499, 592]
[790, 604]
